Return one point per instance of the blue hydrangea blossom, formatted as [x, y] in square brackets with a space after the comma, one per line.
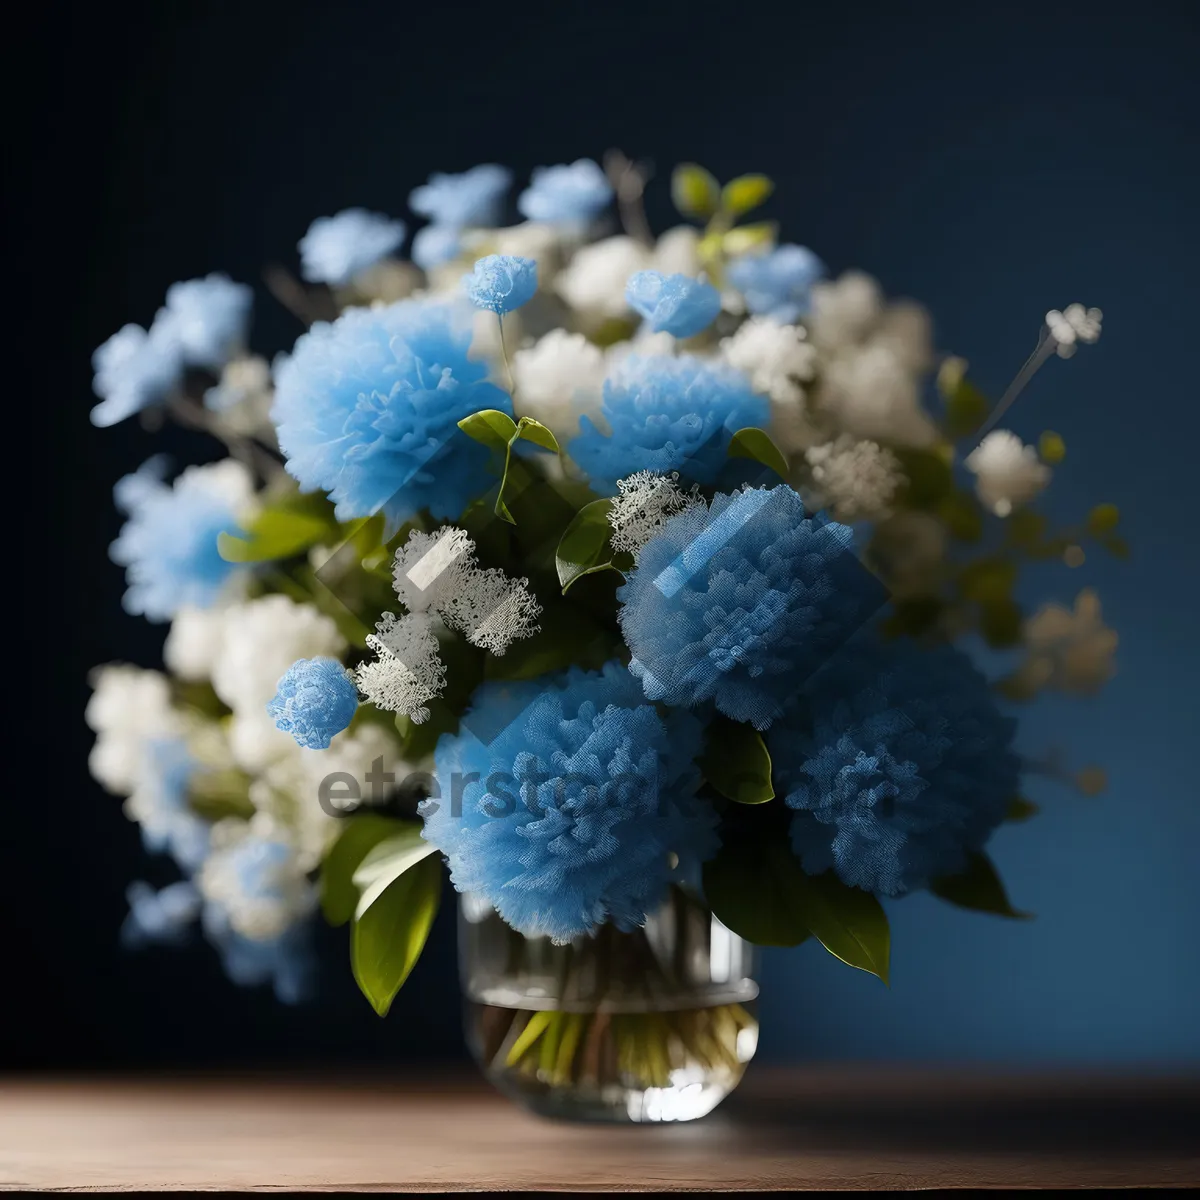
[207, 319]
[898, 763]
[368, 407]
[161, 916]
[159, 803]
[467, 200]
[777, 284]
[501, 283]
[168, 545]
[315, 700]
[674, 304]
[337, 248]
[133, 370]
[667, 413]
[736, 603]
[435, 245]
[286, 962]
[575, 804]
[565, 194]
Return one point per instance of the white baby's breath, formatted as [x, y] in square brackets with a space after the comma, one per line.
[1007, 472]
[855, 480]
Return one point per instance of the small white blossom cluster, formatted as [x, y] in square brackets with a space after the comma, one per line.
[559, 377]
[1007, 472]
[778, 360]
[1068, 650]
[644, 503]
[407, 671]
[855, 480]
[129, 707]
[1073, 325]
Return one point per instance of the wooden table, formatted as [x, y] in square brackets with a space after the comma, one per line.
[794, 1129]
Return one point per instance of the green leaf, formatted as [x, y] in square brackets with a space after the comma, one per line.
[978, 888]
[1116, 545]
[929, 477]
[362, 833]
[273, 534]
[1052, 448]
[489, 426]
[745, 239]
[215, 795]
[962, 516]
[966, 406]
[754, 443]
[694, 192]
[1103, 519]
[584, 547]
[987, 580]
[761, 892]
[745, 192]
[1020, 809]
[385, 862]
[736, 762]
[1000, 622]
[387, 938]
[1025, 528]
[537, 433]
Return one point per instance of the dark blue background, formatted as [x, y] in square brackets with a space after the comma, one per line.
[991, 162]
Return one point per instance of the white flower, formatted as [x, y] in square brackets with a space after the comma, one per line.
[527, 239]
[677, 252]
[1073, 325]
[1007, 472]
[256, 879]
[559, 378]
[128, 707]
[254, 740]
[1071, 651]
[645, 502]
[194, 641]
[407, 671]
[905, 328]
[854, 480]
[593, 282]
[844, 310]
[260, 639]
[242, 380]
[867, 391]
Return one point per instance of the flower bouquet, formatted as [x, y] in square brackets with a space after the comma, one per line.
[628, 578]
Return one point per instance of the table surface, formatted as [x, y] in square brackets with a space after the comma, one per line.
[785, 1129]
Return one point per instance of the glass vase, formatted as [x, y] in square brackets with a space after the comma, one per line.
[653, 1025]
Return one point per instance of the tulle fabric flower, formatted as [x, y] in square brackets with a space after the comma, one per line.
[337, 248]
[159, 916]
[674, 304]
[565, 194]
[168, 545]
[501, 283]
[159, 803]
[435, 245]
[207, 319]
[134, 369]
[897, 762]
[469, 199]
[316, 699]
[738, 602]
[368, 407]
[666, 413]
[777, 284]
[569, 801]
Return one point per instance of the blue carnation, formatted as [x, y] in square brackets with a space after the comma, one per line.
[159, 803]
[133, 370]
[566, 194]
[777, 284]
[501, 283]
[898, 763]
[367, 408]
[315, 700]
[470, 199]
[168, 545]
[738, 602]
[337, 248]
[570, 801]
[159, 916]
[435, 245]
[207, 319]
[667, 413]
[673, 304]
[286, 962]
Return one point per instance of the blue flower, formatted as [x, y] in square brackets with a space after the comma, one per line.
[435, 245]
[738, 602]
[162, 916]
[368, 407]
[673, 304]
[501, 283]
[777, 284]
[159, 804]
[582, 807]
[566, 194]
[335, 249]
[667, 414]
[134, 369]
[316, 699]
[169, 544]
[898, 763]
[470, 199]
[286, 962]
[207, 319]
